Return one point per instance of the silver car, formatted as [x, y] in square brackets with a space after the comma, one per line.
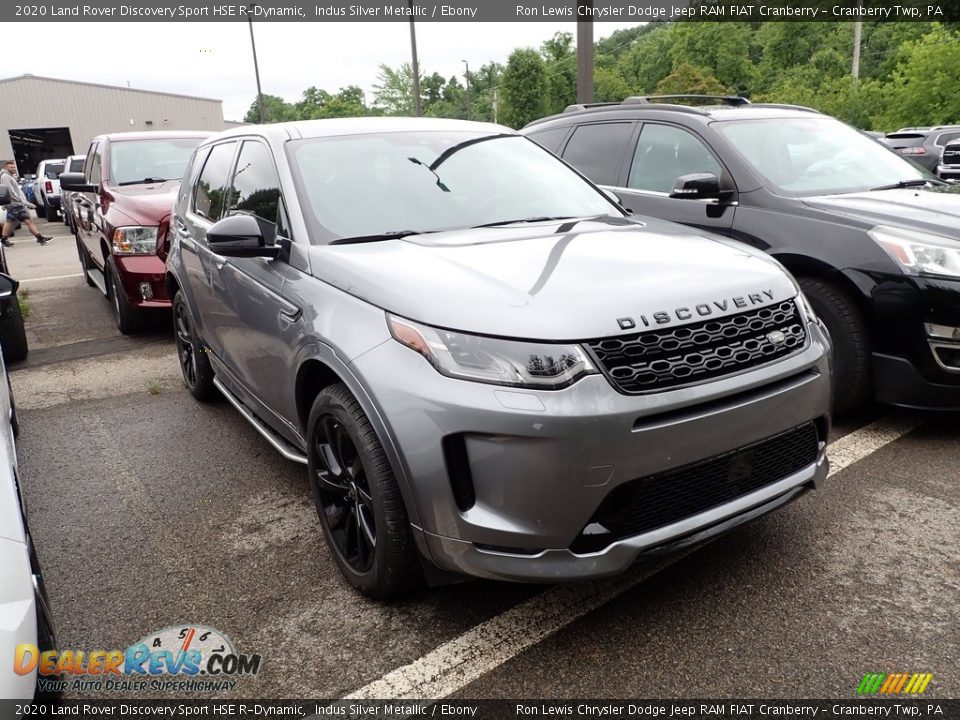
[487, 366]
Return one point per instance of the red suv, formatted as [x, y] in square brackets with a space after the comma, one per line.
[121, 206]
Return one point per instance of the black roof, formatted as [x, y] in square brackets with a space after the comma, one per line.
[712, 106]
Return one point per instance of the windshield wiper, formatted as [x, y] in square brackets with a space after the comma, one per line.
[542, 218]
[918, 182]
[378, 237]
[144, 181]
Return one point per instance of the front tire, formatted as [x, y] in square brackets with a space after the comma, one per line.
[852, 377]
[13, 334]
[85, 262]
[357, 497]
[194, 363]
[127, 317]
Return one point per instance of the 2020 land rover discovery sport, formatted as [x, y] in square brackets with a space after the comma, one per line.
[488, 368]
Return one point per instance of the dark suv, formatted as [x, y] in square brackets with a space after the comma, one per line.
[871, 237]
[120, 208]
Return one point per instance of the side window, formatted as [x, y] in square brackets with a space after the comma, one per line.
[93, 172]
[944, 138]
[597, 150]
[256, 187]
[209, 197]
[194, 164]
[549, 139]
[663, 154]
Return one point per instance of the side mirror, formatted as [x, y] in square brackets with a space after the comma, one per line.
[696, 186]
[8, 286]
[239, 236]
[76, 181]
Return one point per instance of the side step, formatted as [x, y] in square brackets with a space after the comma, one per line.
[98, 279]
[279, 444]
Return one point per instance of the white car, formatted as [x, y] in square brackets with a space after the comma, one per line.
[47, 187]
[24, 610]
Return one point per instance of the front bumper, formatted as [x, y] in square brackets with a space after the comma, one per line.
[18, 618]
[542, 462]
[137, 269]
[950, 173]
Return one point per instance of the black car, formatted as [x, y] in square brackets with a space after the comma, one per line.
[870, 237]
[922, 145]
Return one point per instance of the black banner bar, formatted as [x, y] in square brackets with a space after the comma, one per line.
[913, 708]
[482, 10]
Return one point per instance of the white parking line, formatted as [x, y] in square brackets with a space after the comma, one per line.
[458, 662]
[51, 277]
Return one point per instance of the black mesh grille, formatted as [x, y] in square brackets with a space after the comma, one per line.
[646, 504]
[660, 359]
[951, 155]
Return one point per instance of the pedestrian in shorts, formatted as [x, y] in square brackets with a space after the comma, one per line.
[17, 210]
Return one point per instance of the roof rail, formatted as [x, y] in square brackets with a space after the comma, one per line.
[735, 100]
[577, 107]
[783, 106]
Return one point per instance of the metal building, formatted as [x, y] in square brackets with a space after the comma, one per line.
[47, 118]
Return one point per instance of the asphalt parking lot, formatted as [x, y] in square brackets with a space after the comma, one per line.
[150, 510]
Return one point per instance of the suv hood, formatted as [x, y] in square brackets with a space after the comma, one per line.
[534, 282]
[933, 211]
[145, 204]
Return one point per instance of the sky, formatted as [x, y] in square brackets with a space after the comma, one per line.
[213, 60]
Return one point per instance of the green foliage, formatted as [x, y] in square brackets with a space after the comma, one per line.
[393, 92]
[523, 88]
[275, 110]
[687, 79]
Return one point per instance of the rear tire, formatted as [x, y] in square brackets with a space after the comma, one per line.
[129, 320]
[852, 377]
[85, 262]
[194, 362]
[50, 212]
[358, 500]
[13, 334]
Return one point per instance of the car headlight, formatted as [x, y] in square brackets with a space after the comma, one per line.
[135, 241]
[919, 252]
[517, 363]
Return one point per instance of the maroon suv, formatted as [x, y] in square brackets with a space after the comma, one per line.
[121, 206]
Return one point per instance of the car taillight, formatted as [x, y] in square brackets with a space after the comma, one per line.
[48, 186]
[913, 151]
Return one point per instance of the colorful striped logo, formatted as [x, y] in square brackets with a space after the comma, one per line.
[894, 683]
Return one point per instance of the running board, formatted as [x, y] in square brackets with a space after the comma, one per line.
[279, 444]
[97, 277]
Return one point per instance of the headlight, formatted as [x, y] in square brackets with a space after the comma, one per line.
[135, 241]
[515, 363]
[806, 308]
[918, 252]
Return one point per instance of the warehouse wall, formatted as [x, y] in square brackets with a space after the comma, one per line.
[89, 110]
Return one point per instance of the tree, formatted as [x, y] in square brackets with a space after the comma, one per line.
[689, 80]
[648, 61]
[393, 92]
[276, 110]
[523, 88]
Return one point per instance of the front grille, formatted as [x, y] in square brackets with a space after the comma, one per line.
[642, 505]
[660, 359]
[951, 156]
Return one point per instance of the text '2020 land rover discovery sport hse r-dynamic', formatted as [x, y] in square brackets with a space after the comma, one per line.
[488, 368]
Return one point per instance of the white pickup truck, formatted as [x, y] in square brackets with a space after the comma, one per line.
[47, 187]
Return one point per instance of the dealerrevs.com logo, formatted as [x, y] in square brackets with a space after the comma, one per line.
[184, 658]
[894, 683]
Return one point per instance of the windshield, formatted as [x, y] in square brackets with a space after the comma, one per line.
[368, 185]
[76, 164]
[52, 170]
[817, 156]
[138, 161]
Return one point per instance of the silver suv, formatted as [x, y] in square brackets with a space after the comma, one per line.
[487, 366]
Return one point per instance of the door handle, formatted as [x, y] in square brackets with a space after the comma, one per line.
[289, 317]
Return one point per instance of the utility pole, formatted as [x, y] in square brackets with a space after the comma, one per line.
[496, 102]
[466, 74]
[416, 63]
[256, 67]
[857, 31]
[585, 52]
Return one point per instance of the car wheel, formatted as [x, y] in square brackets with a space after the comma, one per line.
[85, 262]
[357, 497]
[13, 335]
[852, 380]
[127, 317]
[194, 363]
[50, 212]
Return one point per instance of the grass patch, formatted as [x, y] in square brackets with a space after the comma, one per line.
[24, 307]
[24, 292]
[153, 387]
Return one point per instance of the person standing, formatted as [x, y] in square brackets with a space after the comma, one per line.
[17, 209]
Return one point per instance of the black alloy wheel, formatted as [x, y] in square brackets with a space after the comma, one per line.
[344, 494]
[194, 363]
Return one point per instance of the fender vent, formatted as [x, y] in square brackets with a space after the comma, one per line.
[458, 471]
